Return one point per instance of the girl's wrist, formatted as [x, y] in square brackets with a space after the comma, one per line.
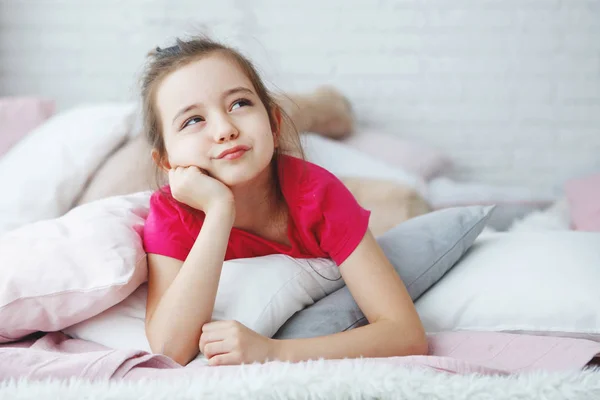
[275, 352]
[272, 350]
[224, 212]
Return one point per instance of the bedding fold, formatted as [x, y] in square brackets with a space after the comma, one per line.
[55, 355]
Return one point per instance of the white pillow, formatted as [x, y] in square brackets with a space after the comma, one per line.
[344, 161]
[261, 293]
[58, 272]
[536, 282]
[49, 167]
[554, 218]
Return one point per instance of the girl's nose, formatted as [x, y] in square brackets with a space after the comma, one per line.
[227, 137]
[226, 131]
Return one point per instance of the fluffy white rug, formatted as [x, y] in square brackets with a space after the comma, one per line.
[317, 380]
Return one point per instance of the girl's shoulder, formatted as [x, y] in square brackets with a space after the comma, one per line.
[323, 207]
[169, 227]
[298, 176]
[308, 186]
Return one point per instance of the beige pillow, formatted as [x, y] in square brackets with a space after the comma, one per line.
[129, 169]
[390, 203]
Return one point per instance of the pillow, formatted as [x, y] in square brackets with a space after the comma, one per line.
[553, 218]
[129, 169]
[260, 292]
[542, 283]
[345, 161]
[419, 159]
[583, 196]
[512, 202]
[390, 203]
[444, 192]
[421, 250]
[50, 166]
[19, 115]
[58, 272]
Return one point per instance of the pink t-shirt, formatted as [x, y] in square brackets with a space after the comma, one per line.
[325, 220]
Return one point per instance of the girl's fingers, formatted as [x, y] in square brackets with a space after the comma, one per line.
[224, 359]
[216, 325]
[209, 337]
[215, 348]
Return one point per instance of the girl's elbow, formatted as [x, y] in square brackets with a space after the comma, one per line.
[415, 341]
[419, 346]
[411, 343]
[181, 356]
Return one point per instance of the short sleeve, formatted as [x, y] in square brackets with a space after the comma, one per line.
[165, 232]
[344, 222]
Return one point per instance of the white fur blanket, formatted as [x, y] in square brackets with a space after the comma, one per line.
[349, 379]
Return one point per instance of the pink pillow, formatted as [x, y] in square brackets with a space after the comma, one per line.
[419, 159]
[583, 195]
[19, 115]
[58, 272]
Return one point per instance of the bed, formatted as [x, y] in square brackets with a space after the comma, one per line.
[520, 349]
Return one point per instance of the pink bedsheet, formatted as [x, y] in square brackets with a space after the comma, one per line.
[56, 355]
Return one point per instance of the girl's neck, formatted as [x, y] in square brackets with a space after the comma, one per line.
[258, 203]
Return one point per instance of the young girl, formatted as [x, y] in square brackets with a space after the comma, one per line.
[232, 193]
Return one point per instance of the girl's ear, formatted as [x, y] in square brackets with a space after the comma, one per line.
[161, 162]
[276, 129]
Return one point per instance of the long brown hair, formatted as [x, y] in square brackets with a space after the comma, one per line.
[162, 62]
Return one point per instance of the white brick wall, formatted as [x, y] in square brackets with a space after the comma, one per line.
[509, 88]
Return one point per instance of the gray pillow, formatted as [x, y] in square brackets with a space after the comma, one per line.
[421, 250]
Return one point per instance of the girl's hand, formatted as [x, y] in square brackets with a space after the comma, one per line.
[231, 343]
[192, 186]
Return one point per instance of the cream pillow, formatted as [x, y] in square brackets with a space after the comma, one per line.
[47, 169]
[261, 293]
[544, 283]
[55, 273]
[129, 169]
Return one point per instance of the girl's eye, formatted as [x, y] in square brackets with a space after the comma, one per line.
[192, 121]
[241, 103]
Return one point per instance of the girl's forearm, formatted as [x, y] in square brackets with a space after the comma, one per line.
[380, 339]
[188, 303]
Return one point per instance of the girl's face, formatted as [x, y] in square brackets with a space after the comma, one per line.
[209, 107]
